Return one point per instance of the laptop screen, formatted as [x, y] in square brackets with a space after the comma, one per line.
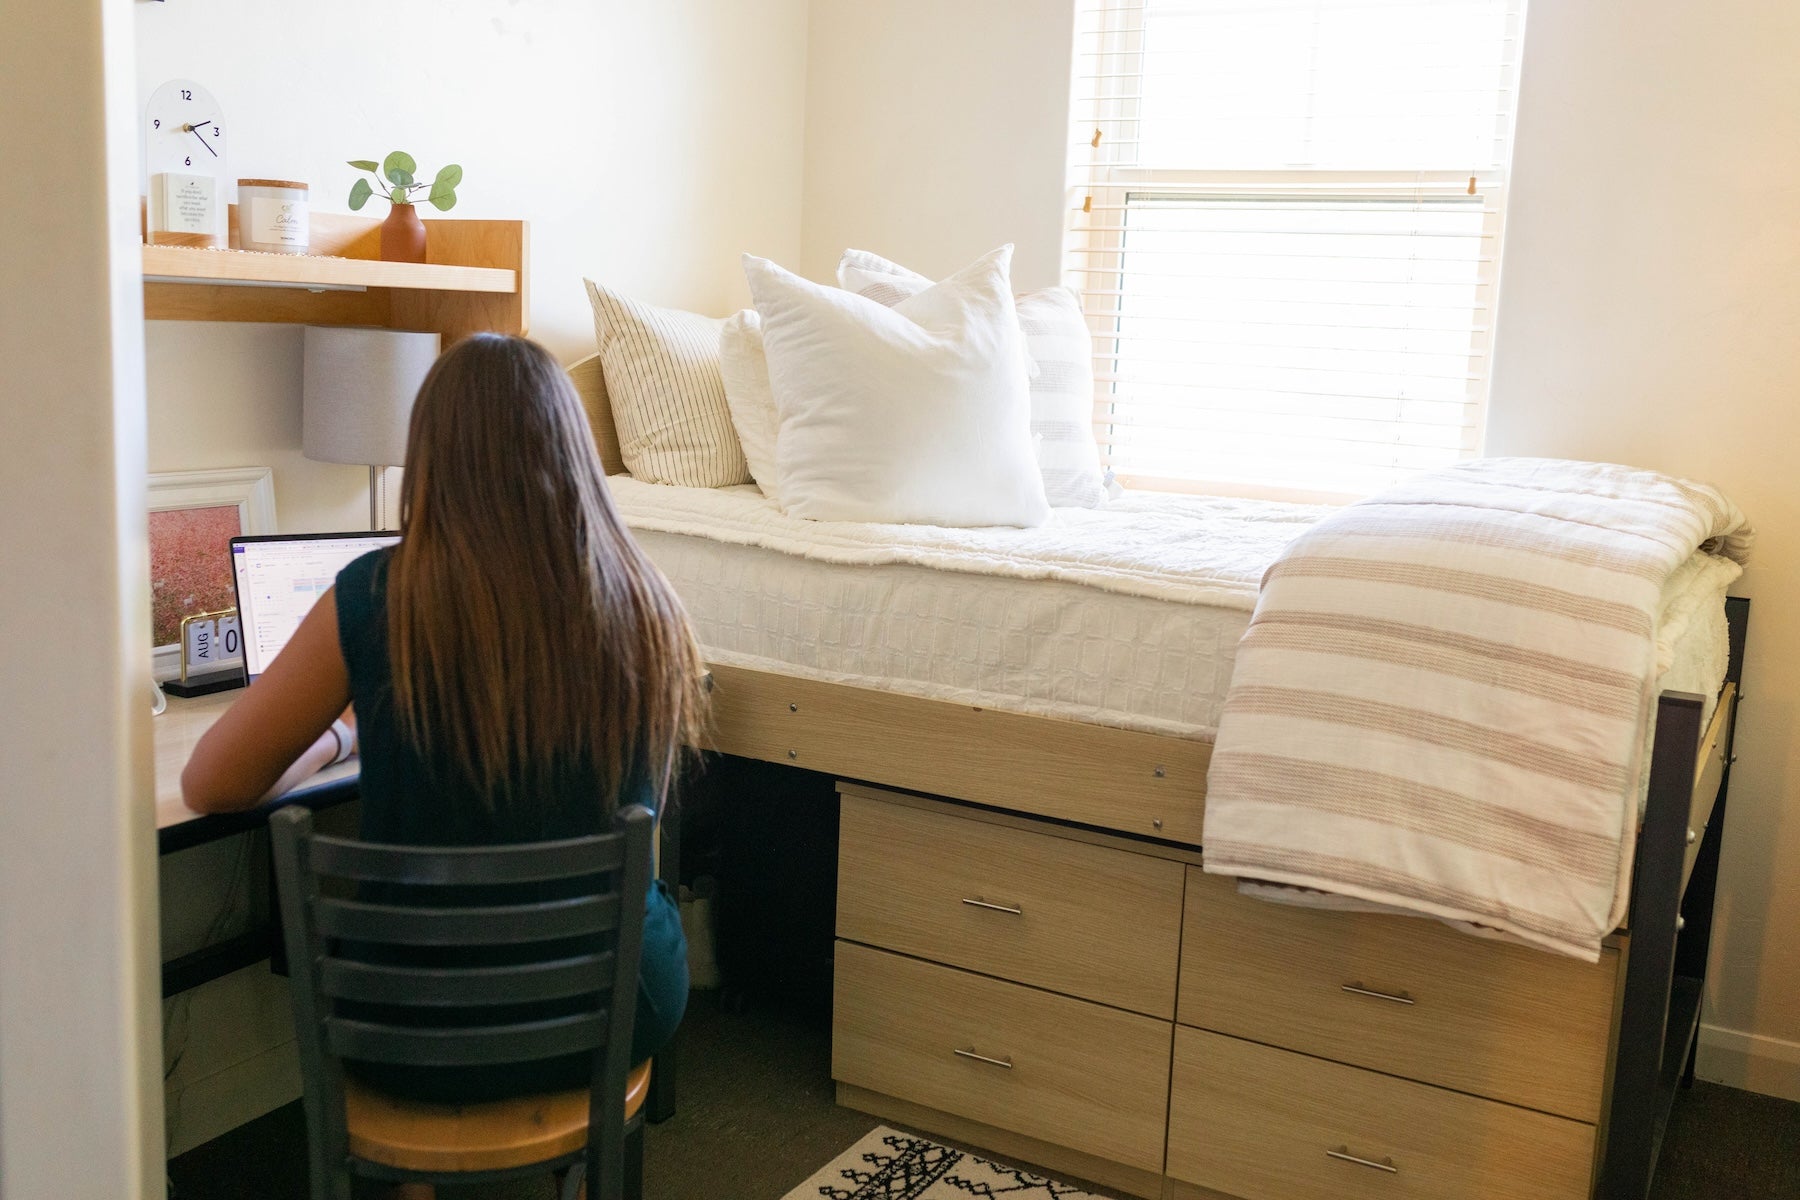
[279, 578]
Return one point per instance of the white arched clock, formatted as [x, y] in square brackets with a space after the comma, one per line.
[184, 165]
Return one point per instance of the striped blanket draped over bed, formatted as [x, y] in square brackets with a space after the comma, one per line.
[1441, 702]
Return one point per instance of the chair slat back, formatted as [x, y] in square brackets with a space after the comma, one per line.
[487, 925]
[380, 983]
[387, 958]
[465, 865]
[371, 1041]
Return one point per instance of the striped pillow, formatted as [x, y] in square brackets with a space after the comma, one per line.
[1059, 350]
[668, 400]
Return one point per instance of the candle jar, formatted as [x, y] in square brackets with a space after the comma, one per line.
[272, 216]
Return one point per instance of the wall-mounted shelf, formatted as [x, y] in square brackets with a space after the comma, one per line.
[474, 280]
[178, 264]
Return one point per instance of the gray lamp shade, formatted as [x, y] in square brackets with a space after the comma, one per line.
[358, 393]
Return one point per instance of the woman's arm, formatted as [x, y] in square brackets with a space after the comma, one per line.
[279, 731]
[328, 748]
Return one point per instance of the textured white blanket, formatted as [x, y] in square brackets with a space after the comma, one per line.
[1186, 549]
[1440, 703]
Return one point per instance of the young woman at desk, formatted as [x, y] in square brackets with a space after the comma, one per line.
[517, 666]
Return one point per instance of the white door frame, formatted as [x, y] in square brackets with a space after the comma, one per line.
[80, 1101]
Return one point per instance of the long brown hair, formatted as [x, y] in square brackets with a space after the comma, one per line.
[527, 632]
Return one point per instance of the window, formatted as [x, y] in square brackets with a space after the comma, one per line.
[1285, 228]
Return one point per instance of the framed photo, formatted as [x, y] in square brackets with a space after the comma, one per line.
[193, 517]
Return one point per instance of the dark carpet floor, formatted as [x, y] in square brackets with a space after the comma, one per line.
[755, 1117]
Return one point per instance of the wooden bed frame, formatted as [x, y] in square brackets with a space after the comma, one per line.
[1150, 786]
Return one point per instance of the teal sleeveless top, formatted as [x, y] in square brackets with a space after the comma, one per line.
[408, 799]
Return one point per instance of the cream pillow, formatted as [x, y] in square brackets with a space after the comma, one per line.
[916, 413]
[747, 394]
[668, 399]
[1060, 352]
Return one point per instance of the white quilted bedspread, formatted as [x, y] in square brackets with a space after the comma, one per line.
[1185, 549]
[1127, 616]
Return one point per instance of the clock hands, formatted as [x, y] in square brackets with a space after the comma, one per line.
[195, 130]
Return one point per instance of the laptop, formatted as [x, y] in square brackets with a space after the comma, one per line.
[280, 576]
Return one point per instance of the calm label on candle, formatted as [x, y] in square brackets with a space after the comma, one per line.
[272, 216]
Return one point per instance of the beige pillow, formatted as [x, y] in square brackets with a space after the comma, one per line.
[668, 398]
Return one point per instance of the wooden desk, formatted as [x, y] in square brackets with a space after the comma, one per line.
[179, 827]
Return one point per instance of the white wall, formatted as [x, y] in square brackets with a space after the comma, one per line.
[1648, 315]
[78, 1110]
[935, 131]
[1647, 310]
[648, 143]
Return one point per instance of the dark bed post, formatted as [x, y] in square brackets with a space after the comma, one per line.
[1665, 966]
[1694, 945]
[1650, 958]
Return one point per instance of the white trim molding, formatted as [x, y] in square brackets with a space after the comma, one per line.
[1752, 1061]
[250, 489]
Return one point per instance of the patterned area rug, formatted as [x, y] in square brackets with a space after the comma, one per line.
[887, 1165]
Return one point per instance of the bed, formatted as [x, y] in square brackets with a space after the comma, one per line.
[1030, 733]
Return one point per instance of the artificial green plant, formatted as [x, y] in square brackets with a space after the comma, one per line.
[394, 176]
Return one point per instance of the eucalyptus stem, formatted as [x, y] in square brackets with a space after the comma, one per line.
[405, 193]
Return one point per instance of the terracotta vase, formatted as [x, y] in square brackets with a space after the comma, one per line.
[403, 235]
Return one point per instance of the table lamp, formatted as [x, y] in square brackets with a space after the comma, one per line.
[357, 396]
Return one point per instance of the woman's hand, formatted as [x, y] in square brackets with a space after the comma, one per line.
[279, 731]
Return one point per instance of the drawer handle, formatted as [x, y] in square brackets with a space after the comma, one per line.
[992, 1062]
[1357, 989]
[1342, 1154]
[978, 902]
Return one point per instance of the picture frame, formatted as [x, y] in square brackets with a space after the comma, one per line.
[187, 548]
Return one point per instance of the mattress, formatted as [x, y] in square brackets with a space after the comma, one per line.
[979, 618]
[1032, 646]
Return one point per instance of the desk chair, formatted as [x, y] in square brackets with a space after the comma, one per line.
[596, 1132]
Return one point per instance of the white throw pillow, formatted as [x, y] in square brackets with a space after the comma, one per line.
[881, 280]
[1059, 349]
[668, 399]
[913, 414]
[747, 394]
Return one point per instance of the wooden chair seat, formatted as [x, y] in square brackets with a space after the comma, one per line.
[474, 1137]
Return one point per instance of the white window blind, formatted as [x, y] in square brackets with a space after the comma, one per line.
[1285, 221]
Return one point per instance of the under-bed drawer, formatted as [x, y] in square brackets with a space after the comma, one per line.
[1091, 921]
[1404, 995]
[1267, 1124]
[1062, 1071]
